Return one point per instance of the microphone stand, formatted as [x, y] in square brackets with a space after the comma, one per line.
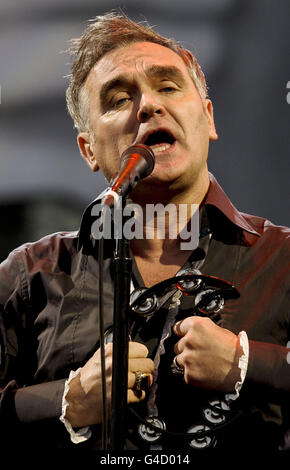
[122, 281]
[137, 162]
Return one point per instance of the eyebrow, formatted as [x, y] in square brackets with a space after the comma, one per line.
[155, 71]
[165, 71]
[121, 80]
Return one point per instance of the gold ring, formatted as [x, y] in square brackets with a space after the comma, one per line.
[142, 381]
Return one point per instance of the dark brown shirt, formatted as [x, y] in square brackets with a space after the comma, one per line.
[50, 326]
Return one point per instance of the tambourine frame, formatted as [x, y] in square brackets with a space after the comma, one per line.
[220, 289]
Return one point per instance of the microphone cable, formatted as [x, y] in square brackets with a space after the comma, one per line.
[102, 341]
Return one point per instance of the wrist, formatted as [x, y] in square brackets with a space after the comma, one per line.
[69, 413]
[75, 397]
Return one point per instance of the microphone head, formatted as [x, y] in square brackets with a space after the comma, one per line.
[135, 152]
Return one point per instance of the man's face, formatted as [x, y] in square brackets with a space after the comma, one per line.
[142, 93]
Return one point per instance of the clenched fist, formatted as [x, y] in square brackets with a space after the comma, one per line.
[209, 354]
[85, 392]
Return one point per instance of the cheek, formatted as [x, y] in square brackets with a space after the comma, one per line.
[189, 113]
[112, 131]
[106, 155]
[104, 132]
[197, 125]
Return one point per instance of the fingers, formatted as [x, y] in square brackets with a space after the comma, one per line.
[181, 327]
[134, 397]
[193, 331]
[145, 365]
[185, 342]
[137, 361]
[190, 323]
[132, 378]
[189, 331]
[137, 350]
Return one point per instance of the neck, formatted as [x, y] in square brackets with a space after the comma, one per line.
[160, 226]
[148, 193]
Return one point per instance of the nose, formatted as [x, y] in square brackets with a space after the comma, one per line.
[148, 108]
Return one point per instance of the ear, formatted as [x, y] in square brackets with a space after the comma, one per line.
[86, 149]
[211, 125]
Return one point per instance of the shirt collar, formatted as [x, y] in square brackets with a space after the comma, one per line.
[215, 197]
[85, 238]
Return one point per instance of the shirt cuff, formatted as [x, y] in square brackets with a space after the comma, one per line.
[38, 402]
[82, 434]
[243, 365]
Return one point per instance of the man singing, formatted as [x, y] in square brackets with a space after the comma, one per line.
[218, 371]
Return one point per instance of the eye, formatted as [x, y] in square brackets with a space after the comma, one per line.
[167, 89]
[120, 101]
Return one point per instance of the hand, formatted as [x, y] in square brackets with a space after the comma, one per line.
[85, 392]
[208, 353]
[138, 361]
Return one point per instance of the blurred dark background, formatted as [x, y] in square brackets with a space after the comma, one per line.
[243, 47]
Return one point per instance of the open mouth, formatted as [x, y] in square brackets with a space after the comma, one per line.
[160, 141]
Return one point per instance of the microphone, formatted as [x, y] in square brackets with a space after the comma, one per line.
[137, 162]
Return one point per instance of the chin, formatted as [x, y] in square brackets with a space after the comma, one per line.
[157, 184]
[170, 173]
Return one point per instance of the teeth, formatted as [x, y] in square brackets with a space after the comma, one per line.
[161, 148]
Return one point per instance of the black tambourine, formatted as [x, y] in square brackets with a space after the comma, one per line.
[210, 294]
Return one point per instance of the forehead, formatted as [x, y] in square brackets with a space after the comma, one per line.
[134, 58]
